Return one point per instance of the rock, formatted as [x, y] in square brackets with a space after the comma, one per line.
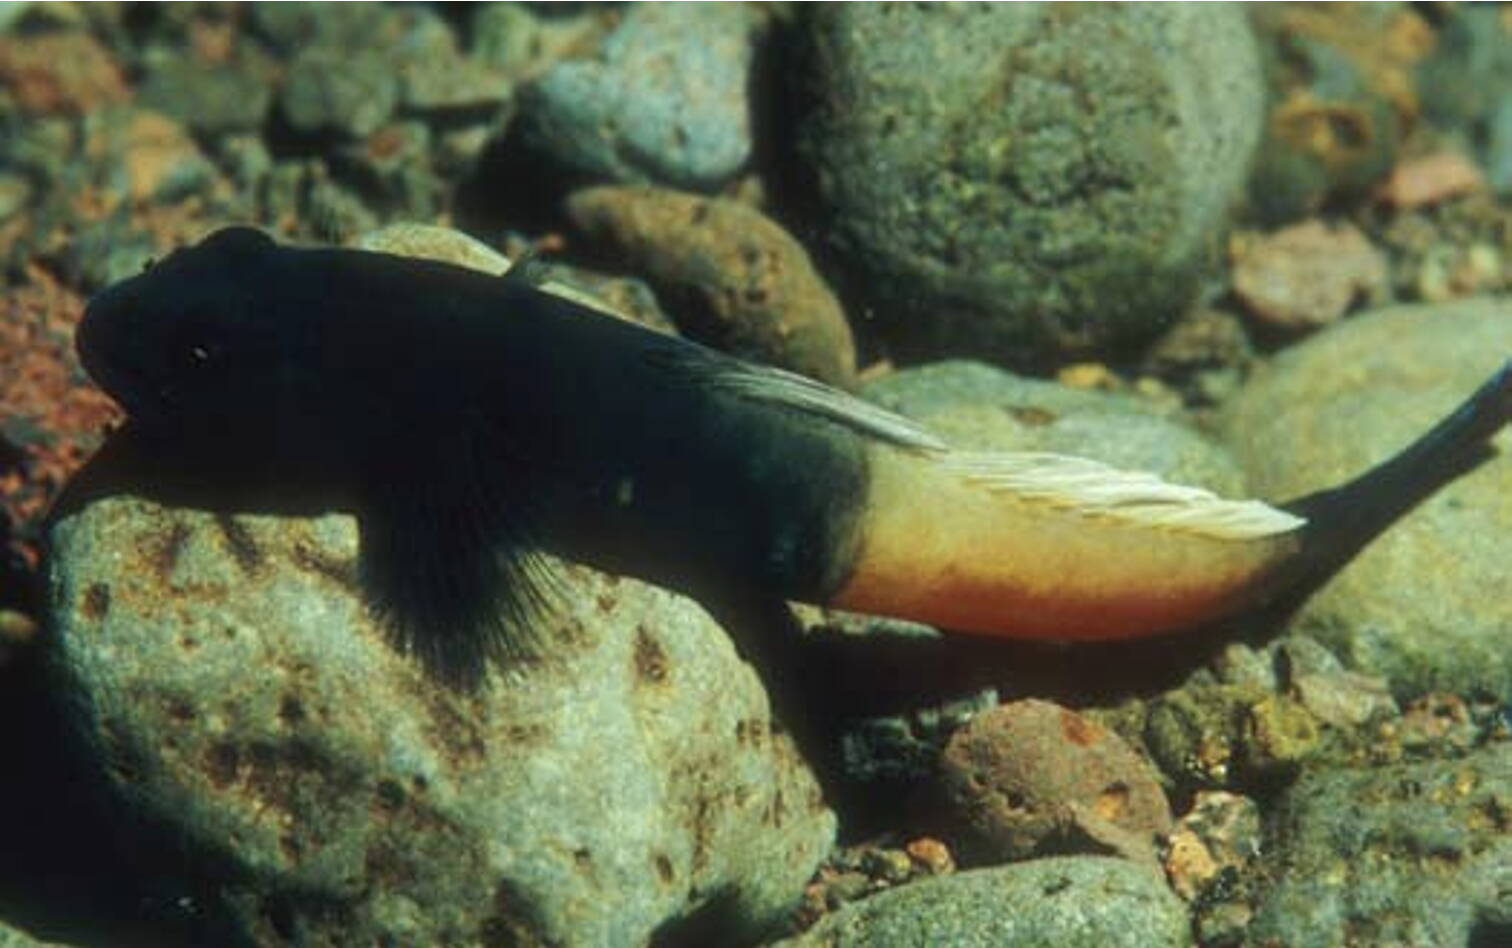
[331, 91]
[392, 167]
[664, 101]
[15, 194]
[1344, 699]
[1418, 606]
[1031, 777]
[1465, 85]
[451, 84]
[1431, 179]
[748, 287]
[1220, 834]
[290, 27]
[589, 799]
[429, 242]
[1307, 275]
[904, 749]
[1407, 854]
[155, 154]
[1067, 901]
[16, 938]
[1342, 99]
[60, 73]
[1438, 724]
[210, 99]
[1015, 180]
[982, 408]
[511, 38]
[1205, 736]
[617, 298]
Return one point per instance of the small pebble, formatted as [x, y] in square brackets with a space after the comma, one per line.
[1344, 699]
[1031, 774]
[63, 73]
[933, 855]
[1431, 179]
[747, 285]
[1306, 275]
[1438, 721]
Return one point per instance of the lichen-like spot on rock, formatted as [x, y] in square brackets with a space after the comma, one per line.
[777, 812]
[96, 604]
[514, 925]
[389, 796]
[750, 731]
[222, 765]
[1031, 415]
[240, 543]
[664, 869]
[1078, 730]
[311, 559]
[651, 663]
[291, 710]
[1113, 803]
[180, 711]
[163, 548]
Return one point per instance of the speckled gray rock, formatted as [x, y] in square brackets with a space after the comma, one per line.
[1067, 901]
[1426, 604]
[1411, 854]
[293, 26]
[1466, 85]
[16, 938]
[340, 92]
[980, 407]
[1339, 96]
[1013, 178]
[228, 676]
[664, 101]
[211, 100]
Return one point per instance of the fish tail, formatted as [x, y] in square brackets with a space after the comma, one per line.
[1343, 519]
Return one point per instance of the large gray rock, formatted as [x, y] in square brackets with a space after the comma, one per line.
[234, 690]
[977, 406]
[1426, 604]
[15, 938]
[1067, 901]
[1015, 178]
[664, 101]
[1411, 854]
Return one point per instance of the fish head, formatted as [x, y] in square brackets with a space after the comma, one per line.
[190, 347]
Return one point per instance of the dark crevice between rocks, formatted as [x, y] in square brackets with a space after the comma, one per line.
[76, 866]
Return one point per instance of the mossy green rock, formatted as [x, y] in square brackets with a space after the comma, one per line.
[1426, 604]
[1411, 854]
[1017, 179]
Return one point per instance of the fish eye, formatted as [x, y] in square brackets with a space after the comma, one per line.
[199, 355]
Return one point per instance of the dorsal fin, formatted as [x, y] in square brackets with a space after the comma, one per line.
[762, 383]
[1136, 497]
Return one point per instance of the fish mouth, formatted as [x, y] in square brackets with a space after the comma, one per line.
[125, 385]
[99, 334]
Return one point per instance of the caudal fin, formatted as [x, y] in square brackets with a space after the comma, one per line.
[1344, 519]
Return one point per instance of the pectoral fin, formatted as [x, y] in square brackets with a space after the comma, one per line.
[450, 565]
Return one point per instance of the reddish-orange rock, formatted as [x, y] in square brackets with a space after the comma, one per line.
[1031, 777]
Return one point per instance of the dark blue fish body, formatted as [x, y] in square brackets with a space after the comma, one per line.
[470, 421]
[473, 422]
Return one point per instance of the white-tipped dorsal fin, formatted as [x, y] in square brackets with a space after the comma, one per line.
[1095, 489]
[789, 390]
